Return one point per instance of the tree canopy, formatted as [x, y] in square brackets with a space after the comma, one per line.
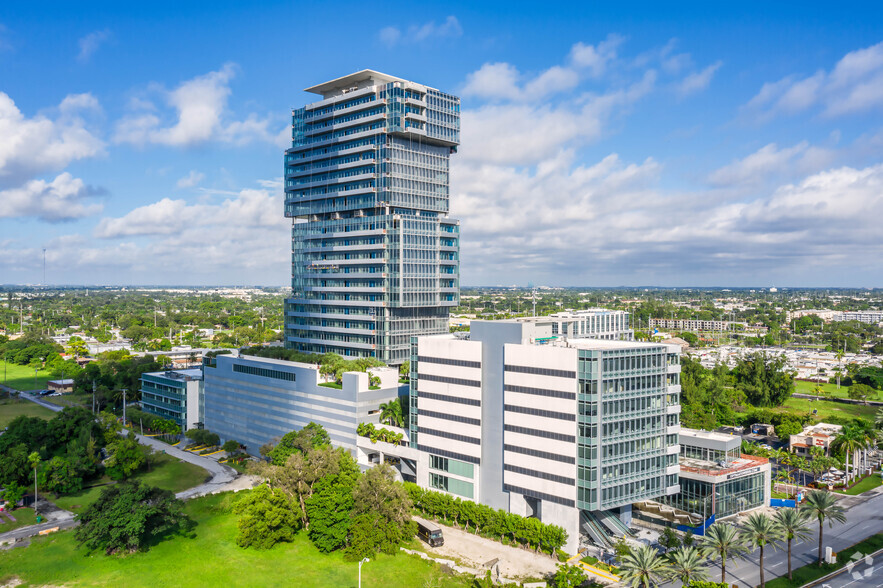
[763, 379]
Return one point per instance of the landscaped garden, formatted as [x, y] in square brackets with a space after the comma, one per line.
[210, 557]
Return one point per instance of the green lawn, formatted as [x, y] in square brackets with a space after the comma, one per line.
[209, 558]
[21, 377]
[166, 472]
[808, 573]
[71, 400]
[868, 483]
[828, 408]
[9, 409]
[831, 389]
[23, 518]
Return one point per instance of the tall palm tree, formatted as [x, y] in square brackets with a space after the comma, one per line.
[688, 564]
[851, 441]
[723, 541]
[643, 568]
[391, 413]
[823, 506]
[839, 369]
[759, 531]
[794, 523]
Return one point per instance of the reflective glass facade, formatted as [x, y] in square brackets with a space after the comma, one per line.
[375, 257]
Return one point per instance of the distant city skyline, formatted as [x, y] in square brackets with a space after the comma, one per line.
[690, 146]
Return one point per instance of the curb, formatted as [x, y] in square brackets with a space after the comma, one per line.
[837, 572]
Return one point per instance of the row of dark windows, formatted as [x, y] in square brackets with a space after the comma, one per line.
[447, 435]
[449, 454]
[447, 398]
[540, 495]
[446, 361]
[541, 475]
[541, 392]
[523, 369]
[447, 380]
[451, 417]
[263, 372]
[539, 433]
[550, 414]
[540, 454]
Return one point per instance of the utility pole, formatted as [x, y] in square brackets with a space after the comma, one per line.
[93, 397]
[124, 406]
[44, 266]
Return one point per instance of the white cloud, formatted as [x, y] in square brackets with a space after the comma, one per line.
[503, 81]
[854, 85]
[771, 162]
[393, 35]
[62, 199]
[191, 179]
[200, 115]
[698, 81]
[33, 146]
[90, 44]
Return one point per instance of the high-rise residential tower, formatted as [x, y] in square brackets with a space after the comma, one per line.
[375, 257]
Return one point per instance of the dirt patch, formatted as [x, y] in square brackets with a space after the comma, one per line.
[476, 551]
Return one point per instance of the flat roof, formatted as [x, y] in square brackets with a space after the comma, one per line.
[588, 343]
[353, 78]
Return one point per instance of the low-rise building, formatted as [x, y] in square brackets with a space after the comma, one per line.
[692, 325]
[257, 400]
[63, 386]
[817, 435]
[716, 478]
[174, 394]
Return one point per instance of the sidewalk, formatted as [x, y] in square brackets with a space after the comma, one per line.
[55, 518]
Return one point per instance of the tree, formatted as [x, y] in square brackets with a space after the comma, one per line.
[125, 458]
[34, 461]
[405, 370]
[763, 380]
[688, 565]
[794, 523]
[381, 514]
[567, 577]
[759, 531]
[110, 425]
[669, 539]
[62, 477]
[231, 446]
[642, 568]
[266, 517]
[822, 505]
[127, 516]
[310, 437]
[851, 440]
[723, 540]
[391, 413]
[13, 493]
[330, 506]
[861, 392]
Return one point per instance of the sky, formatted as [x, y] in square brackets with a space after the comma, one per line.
[602, 144]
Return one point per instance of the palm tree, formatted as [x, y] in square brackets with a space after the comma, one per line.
[794, 523]
[823, 506]
[643, 568]
[759, 531]
[839, 369]
[850, 440]
[688, 565]
[723, 540]
[34, 462]
[878, 419]
[391, 413]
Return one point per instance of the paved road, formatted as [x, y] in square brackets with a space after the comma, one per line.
[38, 400]
[864, 573]
[864, 519]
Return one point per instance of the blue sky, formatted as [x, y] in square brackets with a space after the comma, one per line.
[603, 144]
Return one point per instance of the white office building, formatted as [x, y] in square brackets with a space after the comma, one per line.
[572, 431]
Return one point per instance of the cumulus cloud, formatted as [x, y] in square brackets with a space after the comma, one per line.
[771, 161]
[854, 85]
[200, 115]
[393, 35]
[503, 81]
[63, 199]
[37, 145]
[90, 44]
[698, 81]
[191, 179]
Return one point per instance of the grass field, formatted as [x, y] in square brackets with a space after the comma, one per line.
[21, 377]
[167, 472]
[827, 408]
[210, 558]
[868, 483]
[802, 387]
[9, 409]
[23, 518]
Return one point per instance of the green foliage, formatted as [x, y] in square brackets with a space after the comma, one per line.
[329, 507]
[312, 436]
[861, 392]
[381, 514]
[128, 516]
[61, 477]
[231, 446]
[381, 434]
[486, 520]
[13, 493]
[707, 584]
[763, 380]
[203, 437]
[124, 458]
[567, 577]
[669, 539]
[266, 518]
[688, 565]
[643, 568]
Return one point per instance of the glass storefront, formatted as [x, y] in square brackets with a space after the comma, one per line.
[730, 496]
